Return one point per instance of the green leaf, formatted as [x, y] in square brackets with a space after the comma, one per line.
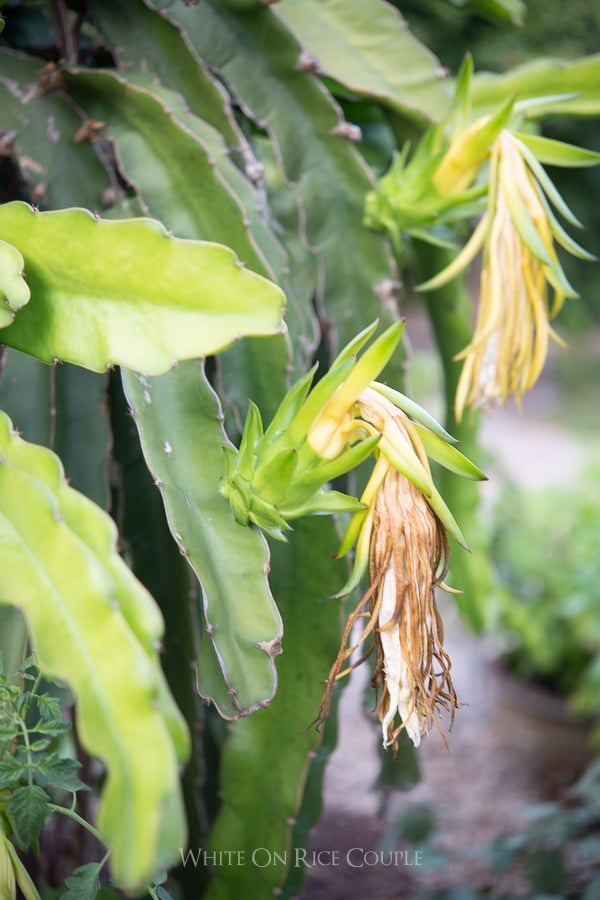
[256, 56]
[38, 745]
[156, 560]
[11, 771]
[62, 407]
[176, 415]
[84, 883]
[311, 808]
[267, 756]
[144, 40]
[512, 10]
[53, 728]
[579, 78]
[8, 730]
[13, 640]
[57, 169]
[58, 772]
[57, 552]
[545, 870]
[49, 708]
[159, 142]
[359, 46]
[28, 808]
[124, 292]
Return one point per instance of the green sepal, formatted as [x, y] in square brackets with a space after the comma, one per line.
[564, 239]
[266, 516]
[360, 566]
[448, 456]
[253, 430]
[560, 283]
[486, 136]
[351, 533]
[412, 409]
[355, 375]
[275, 533]
[530, 104]
[466, 155]
[271, 481]
[370, 364]
[410, 467]
[546, 184]
[438, 505]
[526, 228]
[356, 344]
[461, 261]
[14, 290]
[557, 153]
[353, 583]
[231, 457]
[431, 237]
[316, 399]
[328, 471]
[531, 238]
[325, 503]
[289, 407]
[461, 113]
[405, 199]
[237, 492]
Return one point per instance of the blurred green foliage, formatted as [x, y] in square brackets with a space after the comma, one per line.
[545, 548]
[552, 854]
[549, 28]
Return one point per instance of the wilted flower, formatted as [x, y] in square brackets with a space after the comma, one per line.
[399, 525]
[520, 274]
[407, 563]
[404, 546]
[461, 169]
